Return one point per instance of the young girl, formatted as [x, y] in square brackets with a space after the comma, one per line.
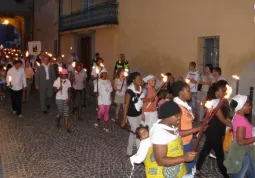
[120, 87]
[216, 129]
[166, 157]
[104, 99]
[62, 87]
[181, 91]
[241, 156]
[131, 113]
[142, 133]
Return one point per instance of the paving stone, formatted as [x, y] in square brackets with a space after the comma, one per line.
[34, 147]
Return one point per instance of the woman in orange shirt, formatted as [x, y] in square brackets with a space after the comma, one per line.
[181, 91]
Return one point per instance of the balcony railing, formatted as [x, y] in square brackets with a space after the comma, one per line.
[101, 14]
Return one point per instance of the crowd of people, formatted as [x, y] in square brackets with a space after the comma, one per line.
[160, 111]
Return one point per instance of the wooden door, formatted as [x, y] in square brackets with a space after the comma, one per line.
[86, 53]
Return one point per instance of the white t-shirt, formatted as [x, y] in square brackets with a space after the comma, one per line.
[160, 136]
[194, 76]
[104, 92]
[66, 84]
[141, 154]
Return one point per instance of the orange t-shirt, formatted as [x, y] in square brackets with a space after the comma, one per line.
[153, 105]
[186, 123]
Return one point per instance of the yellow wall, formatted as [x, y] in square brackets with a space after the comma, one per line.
[67, 41]
[163, 35]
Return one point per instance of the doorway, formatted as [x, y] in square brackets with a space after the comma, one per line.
[86, 53]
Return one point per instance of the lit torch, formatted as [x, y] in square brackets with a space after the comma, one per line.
[59, 71]
[164, 80]
[187, 81]
[237, 78]
[62, 55]
[10, 81]
[27, 54]
[38, 64]
[124, 79]
[212, 108]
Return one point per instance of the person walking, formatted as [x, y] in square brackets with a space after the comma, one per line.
[149, 112]
[78, 79]
[58, 64]
[44, 78]
[131, 113]
[216, 129]
[16, 80]
[120, 86]
[29, 78]
[62, 87]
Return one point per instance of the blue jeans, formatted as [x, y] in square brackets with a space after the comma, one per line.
[190, 165]
[193, 102]
[247, 168]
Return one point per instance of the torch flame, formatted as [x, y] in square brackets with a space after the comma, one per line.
[16, 54]
[5, 68]
[102, 65]
[10, 78]
[38, 64]
[49, 54]
[125, 74]
[208, 104]
[164, 77]
[27, 53]
[54, 59]
[85, 70]
[73, 64]
[228, 92]
[62, 55]
[187, 81]
[236, 77]
[7, 56]
[97, 70]
[60, 69]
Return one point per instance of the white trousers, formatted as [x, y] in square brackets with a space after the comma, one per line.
[150, 118]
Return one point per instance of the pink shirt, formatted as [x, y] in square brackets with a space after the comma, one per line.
[241, 121]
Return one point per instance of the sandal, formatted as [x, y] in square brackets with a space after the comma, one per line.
[199, 175]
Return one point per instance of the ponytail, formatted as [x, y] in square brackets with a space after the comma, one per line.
[211, 94]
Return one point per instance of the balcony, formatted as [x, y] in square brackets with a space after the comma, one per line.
[101, 14]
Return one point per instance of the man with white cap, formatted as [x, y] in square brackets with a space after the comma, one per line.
[149, 114]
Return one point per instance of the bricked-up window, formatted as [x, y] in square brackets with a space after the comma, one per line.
[209, 51]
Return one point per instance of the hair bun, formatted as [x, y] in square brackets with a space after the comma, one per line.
[233, 104]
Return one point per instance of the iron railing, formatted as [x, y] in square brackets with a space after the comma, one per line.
[101, 14]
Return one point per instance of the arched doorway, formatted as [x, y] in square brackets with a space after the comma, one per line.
[12, 32]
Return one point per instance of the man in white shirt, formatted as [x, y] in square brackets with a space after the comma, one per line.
[44, 78]
[217, 75]
[193, 77]
[16, 80]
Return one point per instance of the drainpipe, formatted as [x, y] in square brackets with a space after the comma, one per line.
[59, 15]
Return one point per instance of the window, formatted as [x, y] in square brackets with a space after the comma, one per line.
[209, 51]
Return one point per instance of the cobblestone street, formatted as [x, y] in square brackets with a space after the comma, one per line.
[33, 147]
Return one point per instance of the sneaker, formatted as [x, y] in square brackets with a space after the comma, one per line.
[20, 116]
[14, 112]
[96, 125]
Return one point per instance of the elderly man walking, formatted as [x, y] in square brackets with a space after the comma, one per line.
[44, 78]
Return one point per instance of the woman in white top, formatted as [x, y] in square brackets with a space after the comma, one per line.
[103, 99]
[120, 87]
